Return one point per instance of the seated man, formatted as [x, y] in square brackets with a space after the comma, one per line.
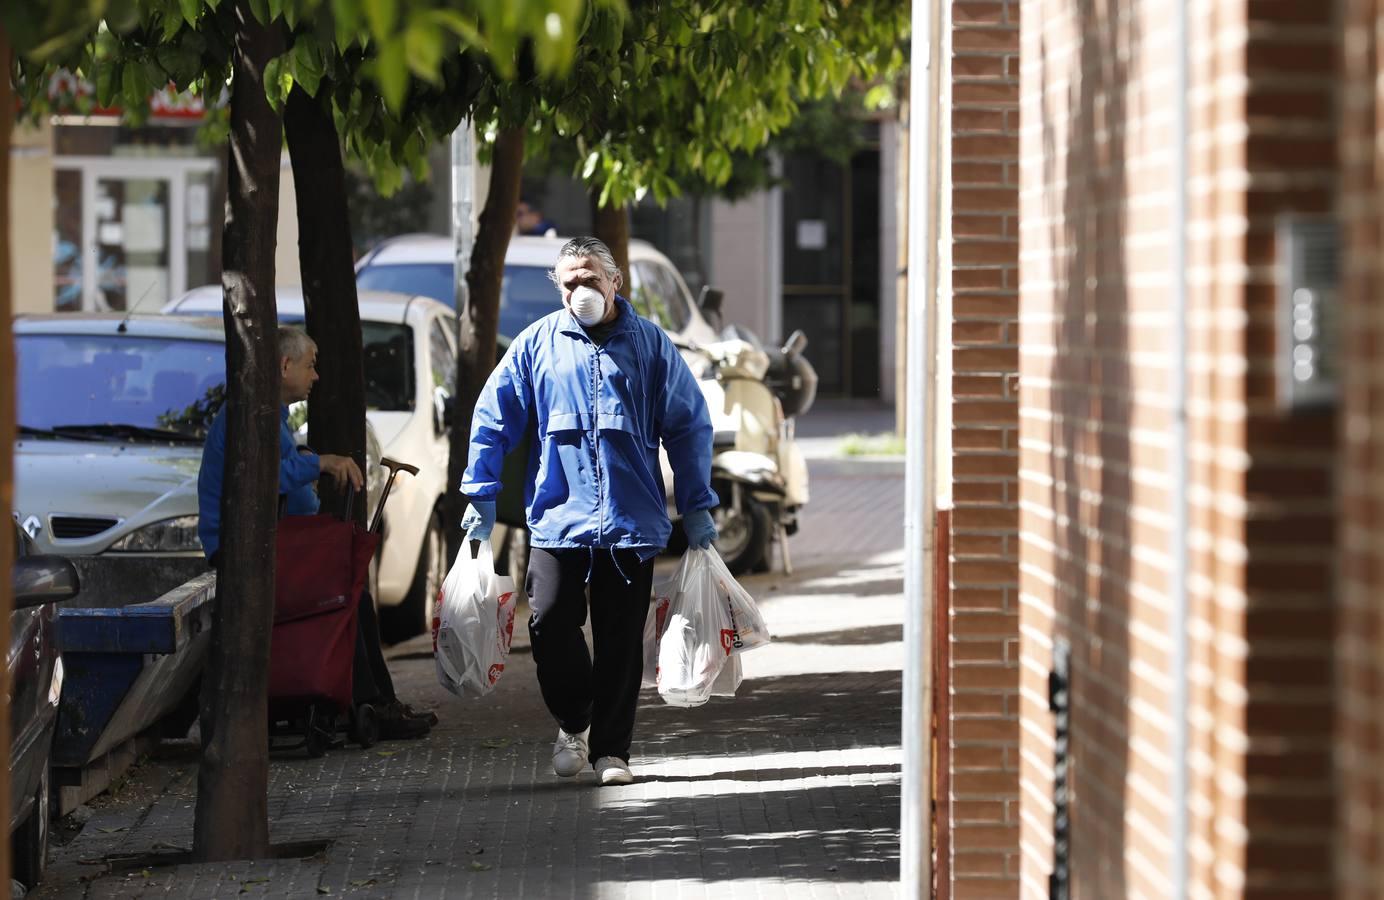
[299, 468]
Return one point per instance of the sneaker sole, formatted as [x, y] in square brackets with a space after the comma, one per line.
[610, 780]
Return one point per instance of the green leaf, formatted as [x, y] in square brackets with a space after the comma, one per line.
[307, 64]
[463, 27]
[382, 16]
[423, 47]
[346, 14]
[278, 80]
[134, 89]
[260, 10]
[391, 71]
[107, 79]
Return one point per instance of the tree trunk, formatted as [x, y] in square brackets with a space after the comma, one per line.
[336, 414]
[232, 817]
[480, 320]
[612, 225]
[7, 402]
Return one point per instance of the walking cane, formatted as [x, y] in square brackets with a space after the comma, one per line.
[394, 467]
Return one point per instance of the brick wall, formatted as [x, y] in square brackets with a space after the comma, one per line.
[1360, 658]
[984, 728]
[1098, 178]
[1291, 157]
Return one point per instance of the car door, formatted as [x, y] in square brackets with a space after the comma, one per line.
[442, 369]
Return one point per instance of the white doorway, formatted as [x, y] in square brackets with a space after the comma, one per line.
[140, 233]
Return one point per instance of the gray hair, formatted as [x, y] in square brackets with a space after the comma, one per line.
[294, 343]
[587, 248]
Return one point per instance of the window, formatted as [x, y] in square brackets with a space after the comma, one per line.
[422, 279]
[113, 380]
[674, 300]
[648, 296]
[442, 357]
[387, 350]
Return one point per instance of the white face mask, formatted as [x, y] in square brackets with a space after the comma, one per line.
[588, 305]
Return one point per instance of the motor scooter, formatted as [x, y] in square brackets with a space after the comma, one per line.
[757, 468]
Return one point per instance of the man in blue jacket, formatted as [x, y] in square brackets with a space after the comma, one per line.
[603, 387]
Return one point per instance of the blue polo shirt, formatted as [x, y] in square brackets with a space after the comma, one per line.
[298, 469]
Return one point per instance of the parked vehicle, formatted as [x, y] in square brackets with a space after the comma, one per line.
[423, 264]
[410, 358]
[35, 668]
[757, 469]
[112, 414]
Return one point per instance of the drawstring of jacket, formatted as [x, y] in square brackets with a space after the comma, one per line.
[591, 567]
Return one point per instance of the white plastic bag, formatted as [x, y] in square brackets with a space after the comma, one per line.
[747, 624]
[709, 620]
[654, 624]
[473, 624]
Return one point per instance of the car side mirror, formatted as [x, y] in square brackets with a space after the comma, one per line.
[710, 304]
[37, 580]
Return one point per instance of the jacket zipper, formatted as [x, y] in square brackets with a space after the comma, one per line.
[596, 440]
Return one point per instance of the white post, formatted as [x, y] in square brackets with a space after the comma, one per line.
[915, 850]
[463, 202]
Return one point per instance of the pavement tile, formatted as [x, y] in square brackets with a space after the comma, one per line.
[789, 790]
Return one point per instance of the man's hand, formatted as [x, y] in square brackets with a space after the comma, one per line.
[701, 531]
[479, 520]
[342, 468]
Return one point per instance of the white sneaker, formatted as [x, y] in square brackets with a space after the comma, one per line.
[569, 753]
[613, 770]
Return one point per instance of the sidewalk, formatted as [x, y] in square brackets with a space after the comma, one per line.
[789, 790]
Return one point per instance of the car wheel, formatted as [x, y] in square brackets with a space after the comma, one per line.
[414, 615]
[743, 537]
[30, 840]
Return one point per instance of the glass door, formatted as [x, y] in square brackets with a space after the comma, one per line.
[131, 234]
[131, 244]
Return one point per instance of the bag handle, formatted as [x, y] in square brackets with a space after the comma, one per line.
[483, 556]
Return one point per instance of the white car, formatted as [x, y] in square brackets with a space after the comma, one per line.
[423, 264]
[112, 412]
[409, 348]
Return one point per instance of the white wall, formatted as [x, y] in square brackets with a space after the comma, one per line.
[745, 262]
[31, 219]
[286, 269]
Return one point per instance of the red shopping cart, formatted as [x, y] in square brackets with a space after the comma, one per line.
[322, 565]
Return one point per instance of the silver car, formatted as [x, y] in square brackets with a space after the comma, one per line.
[111, 414]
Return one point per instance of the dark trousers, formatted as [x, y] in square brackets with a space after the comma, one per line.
[578, 690]
[370, 679]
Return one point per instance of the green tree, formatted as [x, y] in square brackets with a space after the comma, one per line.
[670, 100]
[269, 54]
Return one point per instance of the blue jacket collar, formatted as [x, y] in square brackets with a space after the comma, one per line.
[568, 323]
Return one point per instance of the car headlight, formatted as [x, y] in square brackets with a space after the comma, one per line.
[168, 536]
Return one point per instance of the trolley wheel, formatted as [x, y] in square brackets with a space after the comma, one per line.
[316, 734]
[365, 726]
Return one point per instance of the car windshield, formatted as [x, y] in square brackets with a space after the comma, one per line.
[526, 294]
[388, 360]
[116, 387]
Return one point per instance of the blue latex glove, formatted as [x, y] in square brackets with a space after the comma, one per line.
[701, 531]
[479, 520]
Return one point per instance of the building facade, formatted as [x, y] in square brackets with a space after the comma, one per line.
[1163, 642]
